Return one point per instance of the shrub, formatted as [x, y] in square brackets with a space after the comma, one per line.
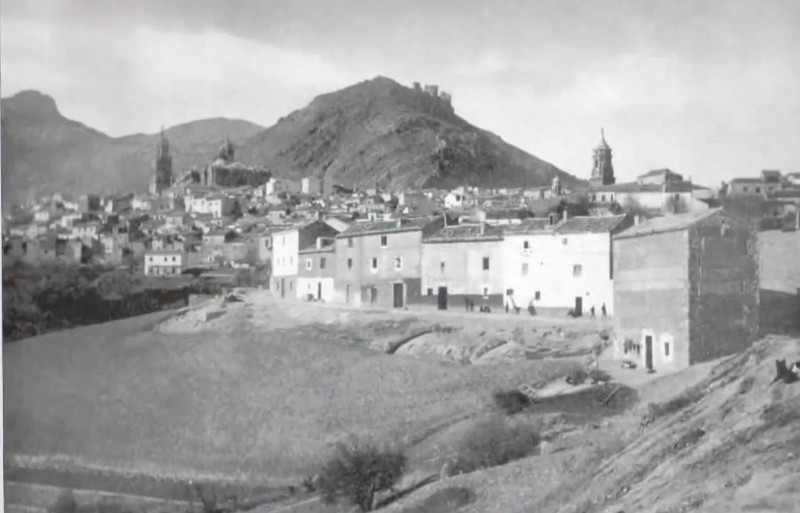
[599, 376]
[494, 442]
[357, 472]
[511, 401]
[577, 376]
[65, 503]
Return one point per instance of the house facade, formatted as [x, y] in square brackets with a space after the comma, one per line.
[286, 245]
[378, 263]
[164, 263]
[559, 266]
[317, 272]
[463, 262]
[686, 290]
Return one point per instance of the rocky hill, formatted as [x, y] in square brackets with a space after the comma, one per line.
[379, 132]
[43, 152]
[375, 132]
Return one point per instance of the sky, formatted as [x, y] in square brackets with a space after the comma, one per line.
[709, 89]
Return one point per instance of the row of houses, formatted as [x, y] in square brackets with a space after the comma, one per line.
[681, 289]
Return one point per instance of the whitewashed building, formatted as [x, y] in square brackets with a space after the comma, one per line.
[168, 263]
[556, 266]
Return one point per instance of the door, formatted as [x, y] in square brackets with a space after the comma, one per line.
[283, 288]
[373, 295]
[398, 295]
[442, 298]
[578, 306]
[648, 352]
[319, 290]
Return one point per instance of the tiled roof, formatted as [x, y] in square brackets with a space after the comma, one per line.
[747, 180]
[585, 224]
[637, 187]
[532, 225]
[374, 227]
[465, 233]
[665, 224]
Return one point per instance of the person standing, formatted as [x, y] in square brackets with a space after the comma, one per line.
[603, 311]
[591, 310]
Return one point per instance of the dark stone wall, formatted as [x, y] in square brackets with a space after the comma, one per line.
[724, 287]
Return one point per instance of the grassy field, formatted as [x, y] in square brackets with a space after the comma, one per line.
[261, 400]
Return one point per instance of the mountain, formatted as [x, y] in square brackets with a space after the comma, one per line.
[43, 152]
[376, 132]
[380, 132]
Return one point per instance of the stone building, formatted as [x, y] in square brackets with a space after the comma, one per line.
[226, 171]
[603, 168]
[686, 290]
[162, 178]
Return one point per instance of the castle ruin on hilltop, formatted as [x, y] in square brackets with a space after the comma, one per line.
[432, 100]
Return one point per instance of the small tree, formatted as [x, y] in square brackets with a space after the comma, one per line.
[675, 204]
[65, 503]
[357, 472]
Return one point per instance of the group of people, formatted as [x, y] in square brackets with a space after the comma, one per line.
[603, 311]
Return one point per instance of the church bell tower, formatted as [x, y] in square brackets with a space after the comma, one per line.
[603, 170]
[162, 179]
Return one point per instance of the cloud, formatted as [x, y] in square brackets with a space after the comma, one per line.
[134, 80]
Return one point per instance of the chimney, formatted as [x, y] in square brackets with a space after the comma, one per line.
[319, 242]
[483, 228]
[399, 222]
[565, 215]
[444, 219]
[636, 219]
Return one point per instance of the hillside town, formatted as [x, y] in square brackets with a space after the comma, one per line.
[583, 252]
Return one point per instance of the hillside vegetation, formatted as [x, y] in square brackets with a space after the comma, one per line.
[379, 132]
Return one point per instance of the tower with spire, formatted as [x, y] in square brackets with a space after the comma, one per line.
[162, 178]
[603, 170]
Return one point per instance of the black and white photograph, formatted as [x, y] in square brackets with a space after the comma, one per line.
[402, 256]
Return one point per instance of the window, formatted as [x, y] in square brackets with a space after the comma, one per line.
[509, 292]
[349, 263]
[485, 291]
[150, 259]
[430, 292]
[537, 295]
[283, 240]
[602, 197]
[350, 242]
[398, 263]
[745, 189]
[308, 264]
[666, 349]
[524, 269]
[290, 285]
[758, 190]
[322, 263]
[384, 241]
[564, 241]
[374, 263]
[441, 266]
[485, 263]
[577, 270]
[526, 245]
[174, 259]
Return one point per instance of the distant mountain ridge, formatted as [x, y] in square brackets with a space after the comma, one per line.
[43, 152]
[376, 132]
